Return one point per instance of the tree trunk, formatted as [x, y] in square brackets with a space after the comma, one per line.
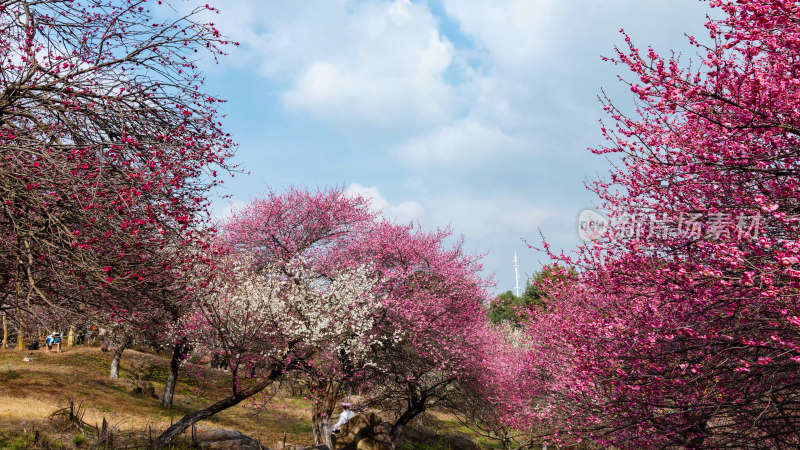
[188, 420]
[414, 409]
[20, 337]
[114, 373]
[5, 332]
[397, 432]
[123, 344]
[321, 414]
[322, 430]
[695, 433]
[172, 377]
[698, 436]
[17, 296]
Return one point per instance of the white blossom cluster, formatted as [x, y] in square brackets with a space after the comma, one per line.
[260, 309]
[333, 314]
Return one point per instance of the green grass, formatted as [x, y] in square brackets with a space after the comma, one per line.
[79, 440]
[12, 440]
[88, 360]
[9, 375]
[299, 427]
[489, 444]
[15, 440]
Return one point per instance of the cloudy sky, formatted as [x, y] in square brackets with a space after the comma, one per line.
[472, 113]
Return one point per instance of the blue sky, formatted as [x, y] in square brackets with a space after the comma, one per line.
[472, 113]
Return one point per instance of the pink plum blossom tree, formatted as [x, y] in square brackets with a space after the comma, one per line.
[317, 284]
[683, 330]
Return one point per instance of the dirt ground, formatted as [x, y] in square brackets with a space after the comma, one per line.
[31, 391]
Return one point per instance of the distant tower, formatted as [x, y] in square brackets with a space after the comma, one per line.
[516, 274]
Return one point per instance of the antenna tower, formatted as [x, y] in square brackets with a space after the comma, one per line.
[516, 274]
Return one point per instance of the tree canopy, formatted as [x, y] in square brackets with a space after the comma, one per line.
[508, 308]
[682, 328]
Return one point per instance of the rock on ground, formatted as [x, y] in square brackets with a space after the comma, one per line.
[224, 439]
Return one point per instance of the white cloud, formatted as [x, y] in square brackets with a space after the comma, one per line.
[222, 209]
[479, 217]
[403, 212]
[466, 142]
[513, 32]
[386, 64]
[375, 62]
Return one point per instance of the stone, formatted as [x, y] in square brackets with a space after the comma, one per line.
[364, 432]
[224, 439]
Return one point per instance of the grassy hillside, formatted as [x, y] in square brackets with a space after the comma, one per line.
[30, 392]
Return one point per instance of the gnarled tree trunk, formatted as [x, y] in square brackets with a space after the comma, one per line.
[321, 414]
[172, 377]
[415, 408]
[188, 420]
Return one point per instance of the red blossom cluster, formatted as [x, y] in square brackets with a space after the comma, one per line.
[109, 151]
[675, 339]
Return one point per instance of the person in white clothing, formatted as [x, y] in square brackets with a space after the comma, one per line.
[346, 415]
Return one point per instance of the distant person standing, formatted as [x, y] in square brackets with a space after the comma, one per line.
[53, 340]
[93, 333]
[81, 337]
